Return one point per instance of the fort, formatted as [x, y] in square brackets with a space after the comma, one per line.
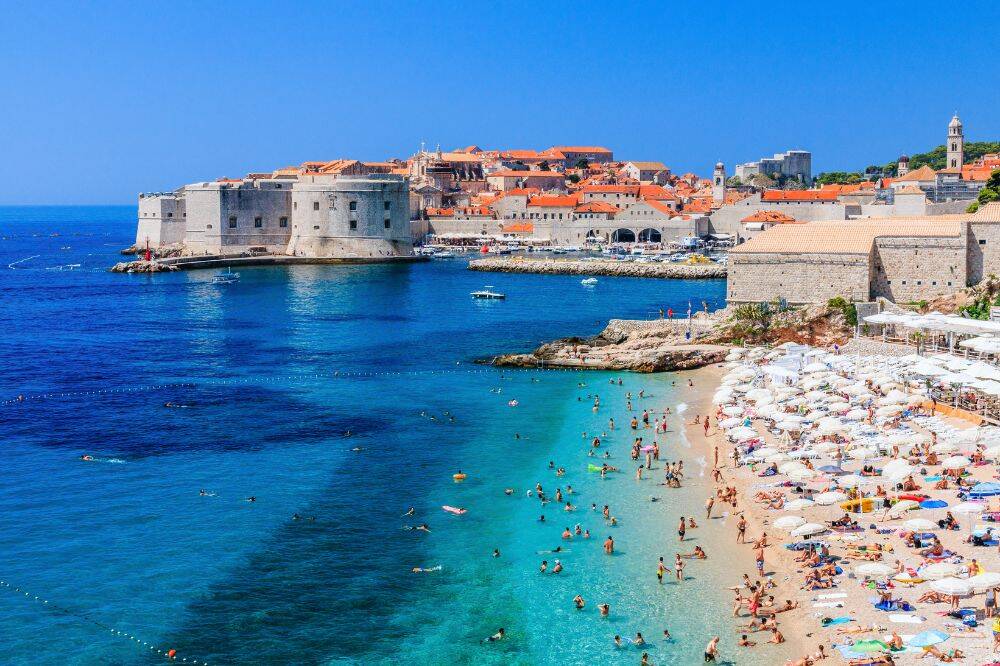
[307, 216]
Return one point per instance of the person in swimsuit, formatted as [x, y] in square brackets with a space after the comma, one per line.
[712, 650]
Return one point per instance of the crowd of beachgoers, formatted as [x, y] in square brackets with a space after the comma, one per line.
[875, 503]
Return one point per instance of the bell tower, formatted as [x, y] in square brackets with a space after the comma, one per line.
[956, 144]
[719, 183]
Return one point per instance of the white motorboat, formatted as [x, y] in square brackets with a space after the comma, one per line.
[229, 277]
[589, 282]
[488, 293]
[443, 255]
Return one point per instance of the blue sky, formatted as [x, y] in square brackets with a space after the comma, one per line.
[100, 101]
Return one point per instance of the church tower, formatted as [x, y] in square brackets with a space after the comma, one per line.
[719, 183]
[956, 144]
[903, 167]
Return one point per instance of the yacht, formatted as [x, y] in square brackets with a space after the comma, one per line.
[488, 293]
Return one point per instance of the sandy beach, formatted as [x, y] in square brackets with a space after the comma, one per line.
[873, 560]
[722, 532]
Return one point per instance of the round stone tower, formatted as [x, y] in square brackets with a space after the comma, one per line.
[351, 217]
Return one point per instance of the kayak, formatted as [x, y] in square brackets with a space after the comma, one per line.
[454, 509]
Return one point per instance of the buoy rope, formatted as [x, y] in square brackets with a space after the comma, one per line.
[86, 617]
[491, 370]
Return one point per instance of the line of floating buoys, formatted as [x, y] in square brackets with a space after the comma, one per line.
[169, 653]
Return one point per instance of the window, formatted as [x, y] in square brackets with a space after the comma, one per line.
[934, 283]
[353, 205]
[283, 222]
[388, 223]
[919, 282]
[315, 205]
[278, 186]
[387, 205]
[949, 283]
[354, 224]
[258, 222]
[315, 226]
[295, 205]
[982, 241]
[232, 222]
[170, 214]
[904, 281]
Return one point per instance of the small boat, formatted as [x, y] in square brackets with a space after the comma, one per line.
[443, 255]
[486, 292]
[229, 277]
[589, 282]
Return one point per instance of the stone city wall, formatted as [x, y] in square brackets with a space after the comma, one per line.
[798, 278]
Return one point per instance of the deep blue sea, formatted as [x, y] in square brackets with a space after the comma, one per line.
[274, 381]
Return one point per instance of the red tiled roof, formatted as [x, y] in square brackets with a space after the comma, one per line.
[519, 227]
[660, 206]
[522, 191]
[596, 207]
[508, 173]
[770, 216]
[563, 201]
[647, 191]
[580, 149]
[441, 212]
[799, 195]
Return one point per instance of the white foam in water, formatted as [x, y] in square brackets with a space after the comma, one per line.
[702, 463]
[681, 408]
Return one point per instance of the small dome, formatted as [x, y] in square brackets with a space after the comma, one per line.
[904, 158]
[955, 122]
[720, 165]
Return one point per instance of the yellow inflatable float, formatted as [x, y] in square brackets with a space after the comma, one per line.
[863, 505]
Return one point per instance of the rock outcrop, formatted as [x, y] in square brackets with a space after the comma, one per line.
[639, 346]
[164, 252]
[609, 267]
[141, 266]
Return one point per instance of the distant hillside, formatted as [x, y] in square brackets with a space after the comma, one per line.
[934, 159]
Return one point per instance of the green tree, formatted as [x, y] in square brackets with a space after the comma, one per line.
[544, 166]
[989, 193]
[582, 163]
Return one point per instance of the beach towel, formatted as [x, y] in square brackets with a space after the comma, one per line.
[828, 604]
[902, 618]
[832, 595]
[830, 621]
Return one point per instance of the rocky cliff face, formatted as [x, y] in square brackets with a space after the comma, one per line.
[639, 346]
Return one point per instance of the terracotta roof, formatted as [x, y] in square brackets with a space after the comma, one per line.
[973, 172]
[519, 227]
[924, 173]
[988, 213]
[522, 191]
[799, 195]
[509, 173]
[769, 216]
[648, 166]
[459, 157]
[580, 149]
[441, 212]
[648, 191]
[519, 154]
[698, 206]
[660, 206]
[847, 236]
[910, 189]
[596, 207]
[564, 201]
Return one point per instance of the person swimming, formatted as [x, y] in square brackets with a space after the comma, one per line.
[495, 637]
[427, 570]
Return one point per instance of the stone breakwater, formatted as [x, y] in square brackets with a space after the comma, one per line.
[608, 267]
[640, 346]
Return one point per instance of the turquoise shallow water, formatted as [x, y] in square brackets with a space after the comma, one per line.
[273, 372]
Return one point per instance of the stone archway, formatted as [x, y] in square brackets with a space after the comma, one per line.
[623, 236]
[650, 236]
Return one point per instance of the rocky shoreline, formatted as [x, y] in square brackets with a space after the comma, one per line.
[640, 346]
[608, 267]
[141, 266]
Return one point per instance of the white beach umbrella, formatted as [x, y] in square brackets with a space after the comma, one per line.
[889, 410]
[984, 581]
[956, 462]
[788, 426]
[765, 451]
[862, 452]
[967, 508]
[940, 570]
[742, 433]
[789, 466]
[800, 475]
[950, 585]
[777, 457]
[992, 453]
[876, 569]
[919, 524]
[799, 504]
[856, 415]
[808, 529]
[828, 498]
[757, 393]
[853, 481]
[815, 367]
[731, 422]
[732, 411]
[789, 523]
[839, 406]
[901, 507]
[944, 447]
[815, 396]
[896, 470]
